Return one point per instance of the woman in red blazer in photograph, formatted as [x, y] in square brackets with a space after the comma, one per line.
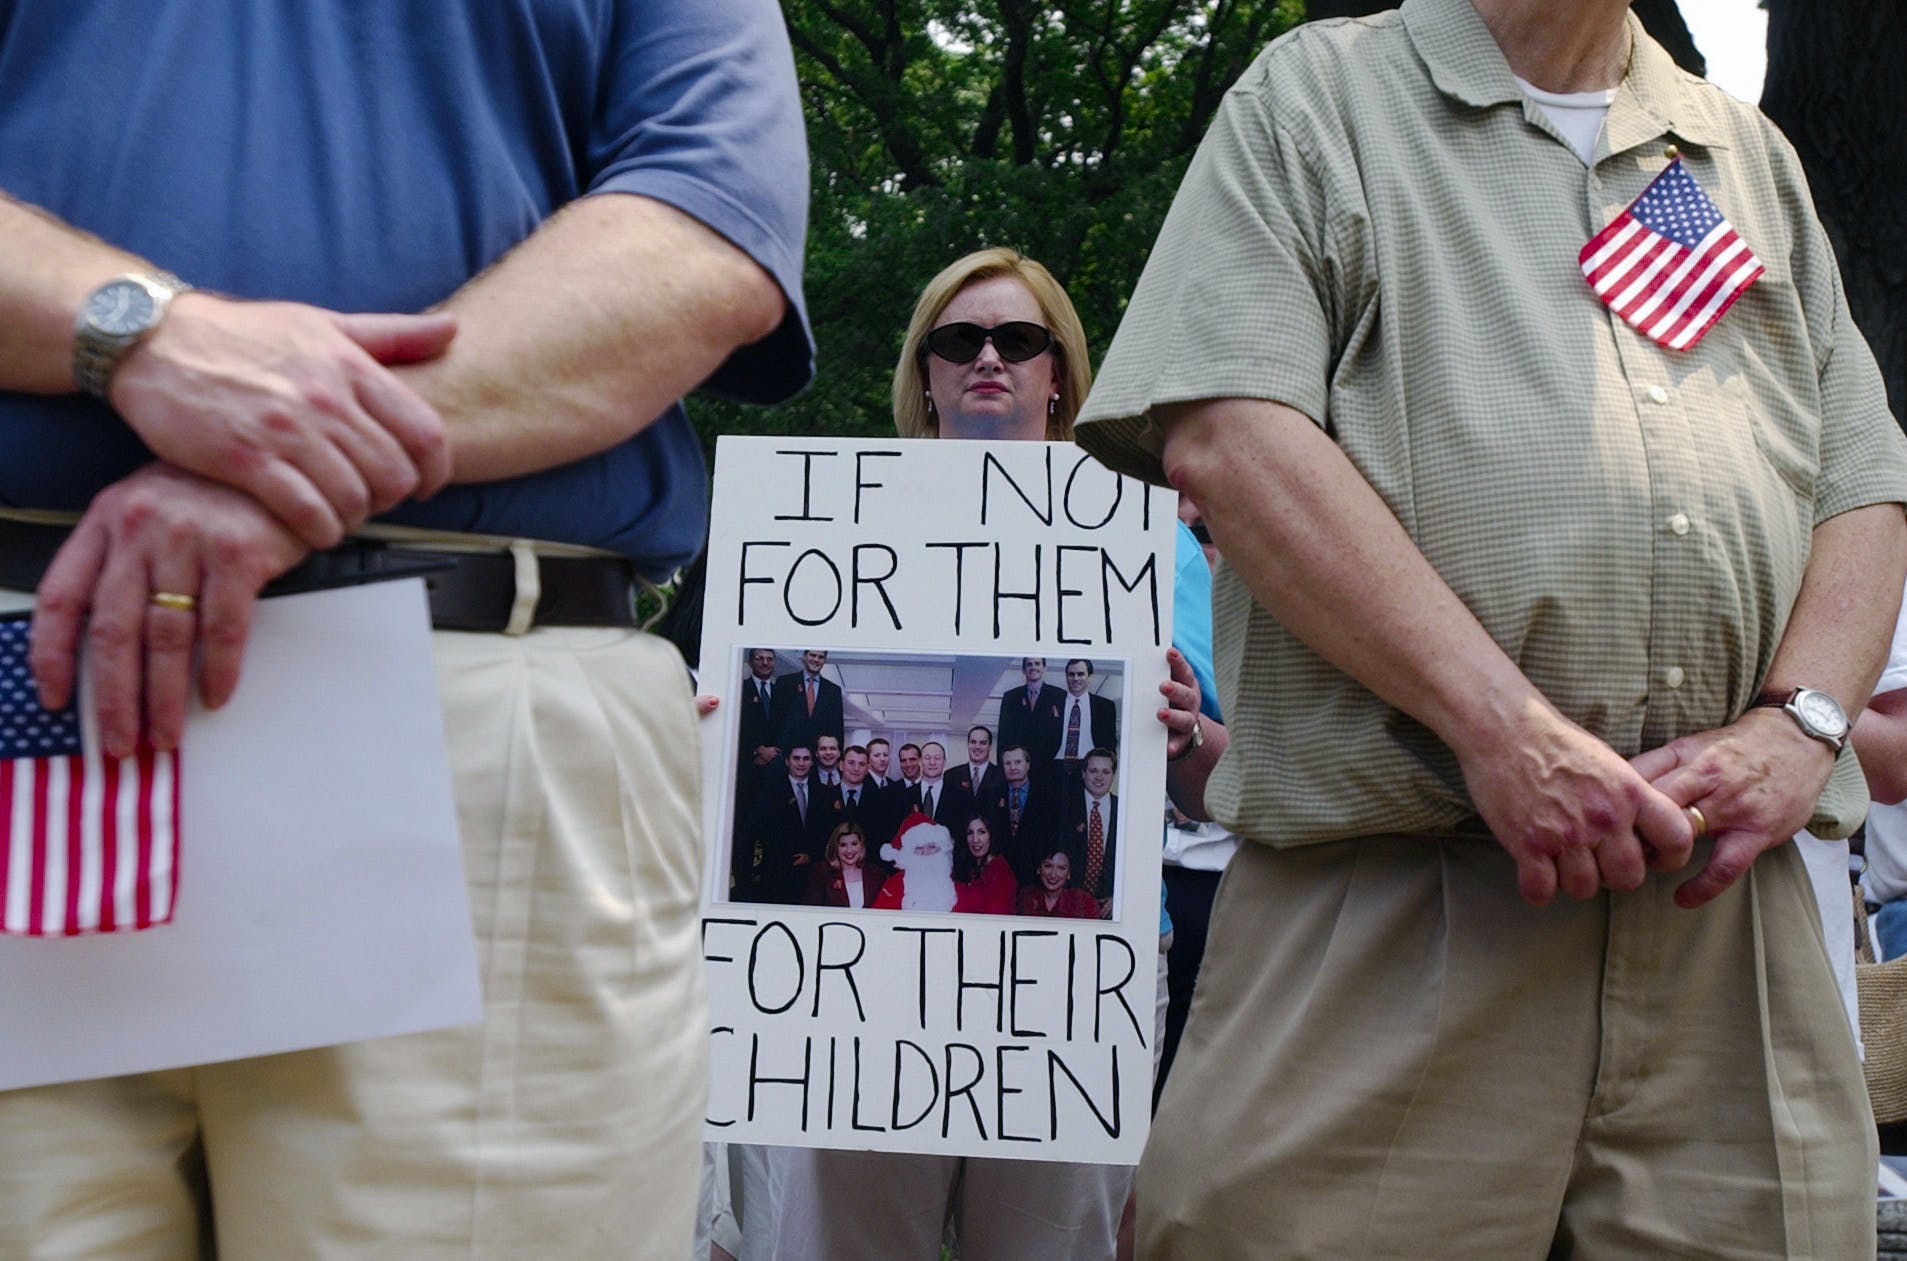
[1056, 896]
[983, 878]
[848, 875]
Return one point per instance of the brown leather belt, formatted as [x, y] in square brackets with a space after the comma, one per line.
[468, 591]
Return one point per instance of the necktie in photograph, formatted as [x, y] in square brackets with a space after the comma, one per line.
[810, 691]
[927, 802]
[1095, 848]
[1072, 733]
[801, 799]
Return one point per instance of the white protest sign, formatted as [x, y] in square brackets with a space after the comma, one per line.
[992, 619]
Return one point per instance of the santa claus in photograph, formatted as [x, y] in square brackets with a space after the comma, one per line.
[922, 857]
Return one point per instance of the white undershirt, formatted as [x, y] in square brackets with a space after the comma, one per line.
[1578, 115]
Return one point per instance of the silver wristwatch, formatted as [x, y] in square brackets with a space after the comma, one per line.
[1818, 715]
[114, 318]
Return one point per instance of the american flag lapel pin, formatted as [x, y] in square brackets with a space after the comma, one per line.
[1671, 263]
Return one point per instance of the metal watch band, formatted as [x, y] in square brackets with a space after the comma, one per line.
[95, 354]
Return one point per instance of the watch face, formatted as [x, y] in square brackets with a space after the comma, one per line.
[120, 308]
[1823, 712]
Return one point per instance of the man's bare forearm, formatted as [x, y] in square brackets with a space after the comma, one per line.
[46, 270]
[1322, 551]
[585, 333]
[1838, 635]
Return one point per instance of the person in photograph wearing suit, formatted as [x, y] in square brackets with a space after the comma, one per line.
[756, 745]
[757, 724]
[808, 706]
[827, 760]
[1028, 829]
[860, 802]
[930, 795]
[908, 755]
[1089, 826]
[793, 819]
[1030, 715]
[878, 753]
[1087, 721]
[977, 784]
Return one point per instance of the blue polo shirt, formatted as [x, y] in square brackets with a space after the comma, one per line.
[374, 157]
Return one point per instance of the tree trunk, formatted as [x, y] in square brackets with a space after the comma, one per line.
[1837, 77]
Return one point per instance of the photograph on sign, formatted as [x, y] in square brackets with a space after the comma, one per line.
[951, 784]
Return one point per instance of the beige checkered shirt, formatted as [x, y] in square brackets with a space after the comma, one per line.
[1382, 234]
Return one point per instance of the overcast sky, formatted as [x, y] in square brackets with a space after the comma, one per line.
[1733, 35]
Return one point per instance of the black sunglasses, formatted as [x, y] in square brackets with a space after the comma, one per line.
[1016, 341]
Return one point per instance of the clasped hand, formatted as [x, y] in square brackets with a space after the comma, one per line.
[278, 427]
[1576, 816]
[292, 405]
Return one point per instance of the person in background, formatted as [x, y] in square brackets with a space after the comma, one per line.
[1196, 849]
[994, 352]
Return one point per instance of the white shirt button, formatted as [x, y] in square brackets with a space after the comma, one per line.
[1673, 676]
[1658, 395]
[1678, 523]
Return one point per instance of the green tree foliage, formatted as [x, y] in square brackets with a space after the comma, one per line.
[1058, 127]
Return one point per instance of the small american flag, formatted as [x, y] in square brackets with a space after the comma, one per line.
[1670, 264]
[86, 844]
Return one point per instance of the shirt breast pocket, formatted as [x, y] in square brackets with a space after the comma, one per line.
[1786, 430]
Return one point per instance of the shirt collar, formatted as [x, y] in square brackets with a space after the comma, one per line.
[1465, 63]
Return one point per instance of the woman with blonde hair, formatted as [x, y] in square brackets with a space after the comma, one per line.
[994, 351]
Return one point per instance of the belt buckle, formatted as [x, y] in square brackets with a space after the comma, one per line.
[654, 599]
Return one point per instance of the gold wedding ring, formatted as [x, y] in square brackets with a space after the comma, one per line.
[1699, 819]
[175, 600]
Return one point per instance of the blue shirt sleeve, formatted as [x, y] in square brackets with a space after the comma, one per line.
[1192, 636]
[703, 113]
[1192, 619]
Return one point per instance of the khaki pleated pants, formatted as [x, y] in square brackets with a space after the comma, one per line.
[566, 1127]
[1390, 1055]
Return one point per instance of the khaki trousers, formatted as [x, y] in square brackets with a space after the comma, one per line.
[566, 1127]
[1391, 1056]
